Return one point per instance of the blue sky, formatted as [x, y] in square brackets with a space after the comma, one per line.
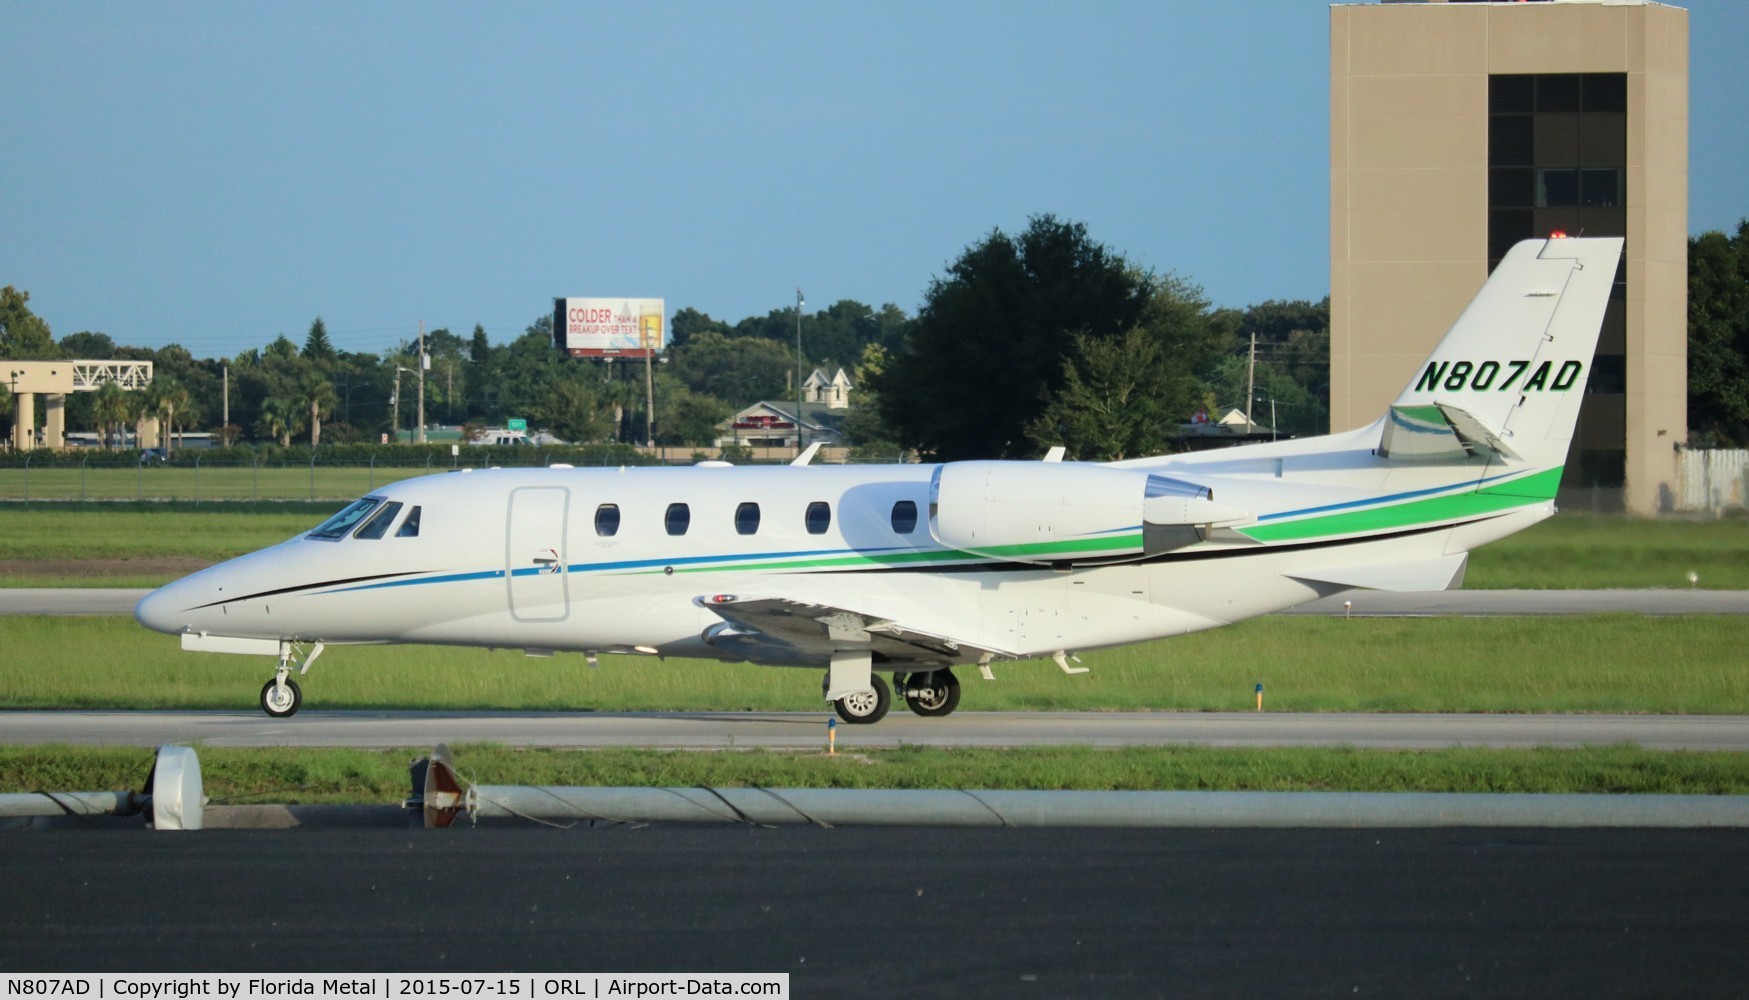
[214, 174]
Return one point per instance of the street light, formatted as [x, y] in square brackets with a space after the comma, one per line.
[346, 398]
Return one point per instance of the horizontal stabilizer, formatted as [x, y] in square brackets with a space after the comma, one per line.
[1440, 573]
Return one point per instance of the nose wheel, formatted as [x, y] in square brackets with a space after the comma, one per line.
[281, 698]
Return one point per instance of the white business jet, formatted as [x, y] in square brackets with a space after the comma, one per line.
[856, 571]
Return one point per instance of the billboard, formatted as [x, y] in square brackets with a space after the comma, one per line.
[610, 328]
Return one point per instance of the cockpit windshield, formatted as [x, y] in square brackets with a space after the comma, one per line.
[336, 527]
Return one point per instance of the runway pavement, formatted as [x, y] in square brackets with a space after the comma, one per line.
[807, 730]
[1369, 603]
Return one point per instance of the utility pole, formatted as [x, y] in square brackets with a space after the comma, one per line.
[225, 421]
[799, 304]
[646, 333]
[424, 363]
[1250, 384]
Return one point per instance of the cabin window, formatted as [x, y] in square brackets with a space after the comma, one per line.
[410, 527]
[378, 525]
[819, 517]
[747, 519]
[336, 527]
[677, 519]
[904, 517]
[607, 520]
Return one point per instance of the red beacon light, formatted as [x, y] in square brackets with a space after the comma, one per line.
[1559, 234]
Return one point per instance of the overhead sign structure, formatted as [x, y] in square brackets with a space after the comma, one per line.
[610, 328]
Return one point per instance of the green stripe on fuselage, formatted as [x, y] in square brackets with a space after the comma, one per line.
[1537, 488]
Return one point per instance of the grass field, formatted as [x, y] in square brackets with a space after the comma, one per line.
[196, 483]
[1615, 663]
[240, 776]
[143, 545]
[1591, 552]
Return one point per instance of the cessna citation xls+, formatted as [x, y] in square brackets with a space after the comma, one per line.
[857, 571]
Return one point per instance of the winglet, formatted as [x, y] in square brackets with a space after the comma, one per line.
[807, 456]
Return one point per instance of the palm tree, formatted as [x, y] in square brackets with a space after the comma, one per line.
[109, 410]
[618, 395]
[281, 417]
[316, 392]
[137, 411]
[168, 396]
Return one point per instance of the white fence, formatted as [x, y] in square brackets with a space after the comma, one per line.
[1713, 479]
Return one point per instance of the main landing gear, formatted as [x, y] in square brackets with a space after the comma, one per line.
[931, 694]
[864, 708]
[281, 696]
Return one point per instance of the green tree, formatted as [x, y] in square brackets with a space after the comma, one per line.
[684, 417]
[689, 322]
[479, 348]
[1292, 373]
[85, 344]
[865, 430]
[317, 346]
[738, 370]
[165, 398]
[1718, 337]
[986, 351]
[573, 409]
[109, 408]
[316, 393]
[282, 349]
[1122, 397]
[281, 417]
[23, 335]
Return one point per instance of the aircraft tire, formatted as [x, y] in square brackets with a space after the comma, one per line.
[281, 708]
[863, 709]
[938, 693]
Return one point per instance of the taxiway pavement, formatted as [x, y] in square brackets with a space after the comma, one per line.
[807, 730]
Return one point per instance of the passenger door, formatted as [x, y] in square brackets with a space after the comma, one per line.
[534, 554]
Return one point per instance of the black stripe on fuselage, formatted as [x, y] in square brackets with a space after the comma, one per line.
[311, 586]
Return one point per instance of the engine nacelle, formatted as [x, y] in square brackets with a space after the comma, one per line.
[1068, 512]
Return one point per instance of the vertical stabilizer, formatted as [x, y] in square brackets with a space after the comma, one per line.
[1507, 380]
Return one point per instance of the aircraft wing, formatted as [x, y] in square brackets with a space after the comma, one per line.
[781, 630]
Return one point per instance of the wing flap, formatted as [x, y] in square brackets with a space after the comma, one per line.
[781, 630]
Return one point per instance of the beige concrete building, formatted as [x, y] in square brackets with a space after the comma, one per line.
[1457, 129]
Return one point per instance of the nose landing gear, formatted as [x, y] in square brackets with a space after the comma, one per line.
[281, 697]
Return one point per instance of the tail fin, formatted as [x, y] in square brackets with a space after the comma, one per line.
[1506, 382]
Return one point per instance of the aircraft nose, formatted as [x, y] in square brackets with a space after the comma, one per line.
[158, 610]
